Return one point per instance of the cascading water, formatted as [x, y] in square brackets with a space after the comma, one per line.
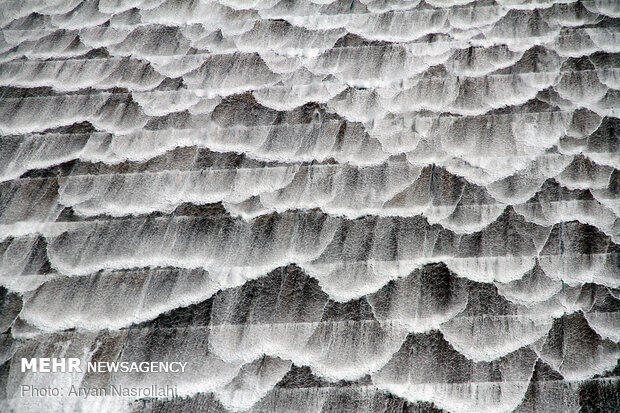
[316, 205]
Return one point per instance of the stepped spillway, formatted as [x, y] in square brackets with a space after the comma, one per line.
[317, 205]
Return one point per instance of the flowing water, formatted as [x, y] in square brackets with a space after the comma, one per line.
[318, 205]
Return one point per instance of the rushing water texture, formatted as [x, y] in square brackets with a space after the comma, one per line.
[319, 205]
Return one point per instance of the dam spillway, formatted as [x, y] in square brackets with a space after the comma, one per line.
[318, 206]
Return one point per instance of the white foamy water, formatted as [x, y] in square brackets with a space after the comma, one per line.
[319, 205]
